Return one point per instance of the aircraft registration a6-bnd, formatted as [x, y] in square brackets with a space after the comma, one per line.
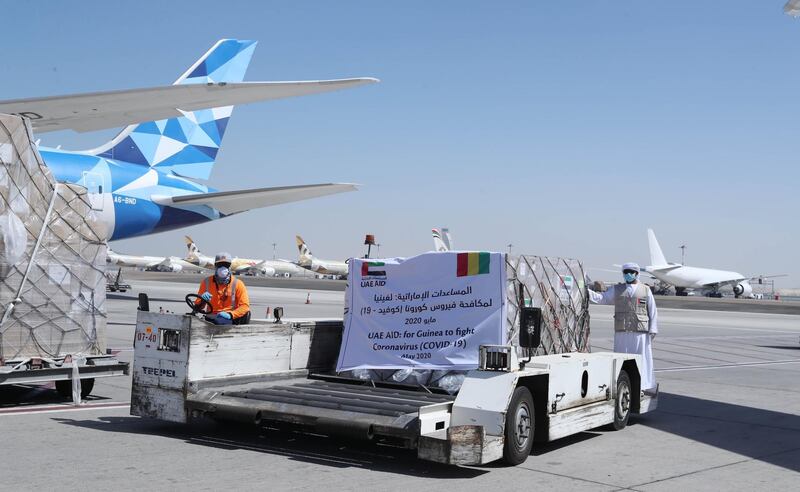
[142, 181]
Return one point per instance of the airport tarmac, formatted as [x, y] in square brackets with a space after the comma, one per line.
[729, 419]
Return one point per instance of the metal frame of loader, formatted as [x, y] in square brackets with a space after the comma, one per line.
[282, 374]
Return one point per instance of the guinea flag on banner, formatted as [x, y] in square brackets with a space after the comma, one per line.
[373, 269]
[472, 264]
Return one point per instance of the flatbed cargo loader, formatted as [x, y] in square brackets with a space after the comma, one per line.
[283, 374]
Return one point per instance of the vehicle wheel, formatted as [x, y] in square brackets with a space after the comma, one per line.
[519, 427]
[622, 403]
[64, 387]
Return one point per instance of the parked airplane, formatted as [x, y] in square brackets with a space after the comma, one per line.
[141, 181]
[685, 279]
[150, 263]
[323, 267]
[441, 240]
[242, 266]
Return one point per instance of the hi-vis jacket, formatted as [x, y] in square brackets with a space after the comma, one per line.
[231, 297]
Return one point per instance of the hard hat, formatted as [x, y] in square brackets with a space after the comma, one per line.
[631, 266]
[222, 258]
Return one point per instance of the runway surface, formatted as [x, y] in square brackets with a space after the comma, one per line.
[729, 419]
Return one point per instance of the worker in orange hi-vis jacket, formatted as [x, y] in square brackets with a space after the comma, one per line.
[226, 294]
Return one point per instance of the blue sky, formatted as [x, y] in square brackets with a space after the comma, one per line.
[565, 128]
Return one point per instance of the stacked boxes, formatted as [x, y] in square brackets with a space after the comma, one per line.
[61, 307]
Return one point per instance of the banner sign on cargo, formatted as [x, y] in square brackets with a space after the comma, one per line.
[430, 311]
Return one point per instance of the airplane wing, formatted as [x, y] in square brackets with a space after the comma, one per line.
[761, 277]
[233, 202]
[100, 110]
[661, 269]
[166, 262]
[732, 282]
[187, 264]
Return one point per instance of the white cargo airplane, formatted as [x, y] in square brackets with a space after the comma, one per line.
[242, 266]
[150, 263]
[686, 279]
[239, 266]
[441, 240]
[323, 267]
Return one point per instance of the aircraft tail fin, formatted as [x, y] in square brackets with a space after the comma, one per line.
[441, 240]
[187, 145]
[305, 258]
[656, 255]
[302, 247]
[192, 248]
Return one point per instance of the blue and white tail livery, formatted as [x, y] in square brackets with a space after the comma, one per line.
[187, 145]
[142, 181]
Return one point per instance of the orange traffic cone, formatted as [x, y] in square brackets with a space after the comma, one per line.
[267, 315]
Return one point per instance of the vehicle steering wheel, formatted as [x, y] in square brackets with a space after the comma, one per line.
[202, 307]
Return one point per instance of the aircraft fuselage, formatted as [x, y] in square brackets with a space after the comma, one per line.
[122, 193]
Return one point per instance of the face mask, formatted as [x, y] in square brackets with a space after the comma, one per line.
[629, 277]
[222, 274]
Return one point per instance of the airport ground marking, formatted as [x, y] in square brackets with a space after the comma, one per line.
[719, 327]
[58, 408]
[728, 366]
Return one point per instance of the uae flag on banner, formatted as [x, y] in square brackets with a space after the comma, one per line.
[472, 264]
[372, 269]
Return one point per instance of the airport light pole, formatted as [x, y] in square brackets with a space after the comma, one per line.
[509, 247]
[274, 246]
[683, 254]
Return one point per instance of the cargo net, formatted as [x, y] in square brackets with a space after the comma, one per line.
[557, 287]
[60, 285]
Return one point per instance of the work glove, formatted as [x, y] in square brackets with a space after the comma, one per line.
[206, 296]
[225, 314]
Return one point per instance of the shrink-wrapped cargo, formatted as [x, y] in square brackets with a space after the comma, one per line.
[52, 257]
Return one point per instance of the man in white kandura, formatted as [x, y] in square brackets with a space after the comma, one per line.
[635, 320]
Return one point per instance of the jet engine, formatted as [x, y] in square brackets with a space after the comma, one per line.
[743, 290]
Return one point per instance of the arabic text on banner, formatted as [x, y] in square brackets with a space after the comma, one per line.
[430, 311]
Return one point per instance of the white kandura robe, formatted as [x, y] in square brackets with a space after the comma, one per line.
[631, 342]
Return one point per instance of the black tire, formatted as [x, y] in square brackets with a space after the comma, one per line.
[622, 402]
[64, 387]
[519, 427]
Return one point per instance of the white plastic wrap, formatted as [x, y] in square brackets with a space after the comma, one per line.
[556, 285]
[13, 238]
[62, 300]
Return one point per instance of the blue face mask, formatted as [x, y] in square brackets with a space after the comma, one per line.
[222, 274]
[629, 277]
